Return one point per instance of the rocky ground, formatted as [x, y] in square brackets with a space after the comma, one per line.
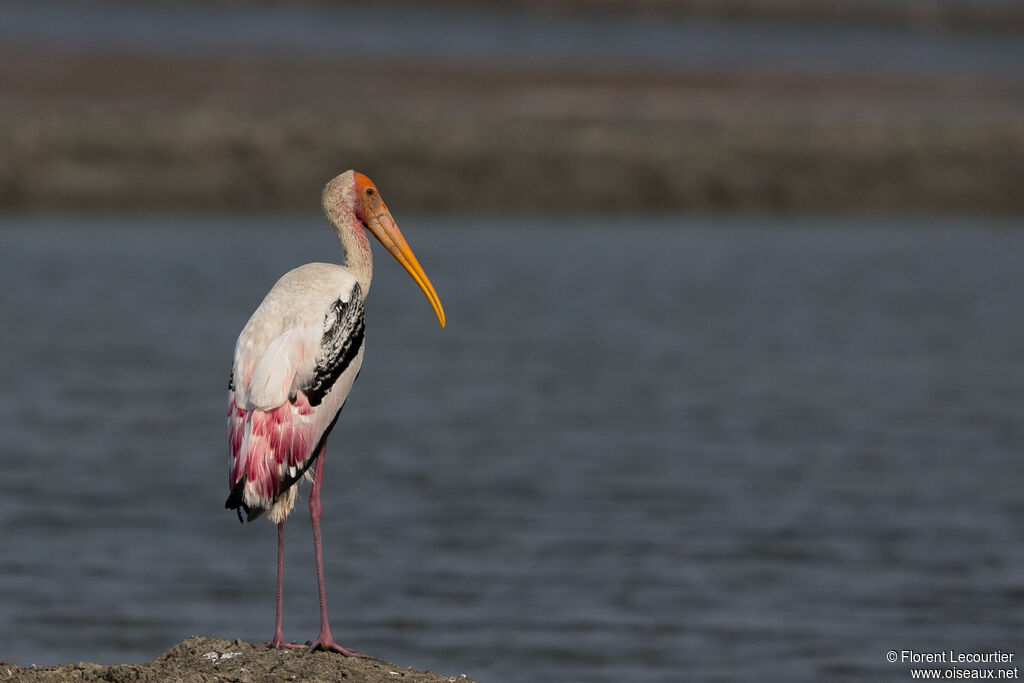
[205, 660]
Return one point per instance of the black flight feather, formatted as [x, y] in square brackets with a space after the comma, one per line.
[343, 337]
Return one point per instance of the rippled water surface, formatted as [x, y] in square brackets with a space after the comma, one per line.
[680, 449]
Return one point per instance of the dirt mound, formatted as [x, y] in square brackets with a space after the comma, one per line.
[214, 659]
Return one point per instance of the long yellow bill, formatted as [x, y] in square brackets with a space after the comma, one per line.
[380, 222]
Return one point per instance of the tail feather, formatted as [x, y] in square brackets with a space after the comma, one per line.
[236, 502]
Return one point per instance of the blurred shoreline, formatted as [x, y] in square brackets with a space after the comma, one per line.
[987, 15]
[103, 130]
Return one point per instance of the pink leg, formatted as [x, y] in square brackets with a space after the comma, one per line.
[278, 640]
[325, 641]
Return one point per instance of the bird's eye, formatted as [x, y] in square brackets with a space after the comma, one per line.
[369, 191]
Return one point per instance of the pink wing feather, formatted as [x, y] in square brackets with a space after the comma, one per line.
[269, 447]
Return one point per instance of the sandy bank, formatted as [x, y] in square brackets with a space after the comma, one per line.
[113, 132]
[215, 160]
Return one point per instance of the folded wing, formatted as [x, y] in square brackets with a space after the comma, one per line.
[285, 397]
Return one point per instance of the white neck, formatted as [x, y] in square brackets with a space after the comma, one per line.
[358, 257]
[339, 200]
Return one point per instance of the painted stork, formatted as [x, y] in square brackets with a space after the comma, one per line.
[295, 362]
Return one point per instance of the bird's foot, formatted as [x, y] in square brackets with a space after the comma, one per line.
[277, 642]
[326, 642]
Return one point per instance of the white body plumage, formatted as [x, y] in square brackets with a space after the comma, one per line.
[273, 428]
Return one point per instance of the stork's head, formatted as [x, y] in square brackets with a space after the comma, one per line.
[351, 199]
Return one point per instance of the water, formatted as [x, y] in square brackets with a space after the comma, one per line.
[642, 450]
[476, 36]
